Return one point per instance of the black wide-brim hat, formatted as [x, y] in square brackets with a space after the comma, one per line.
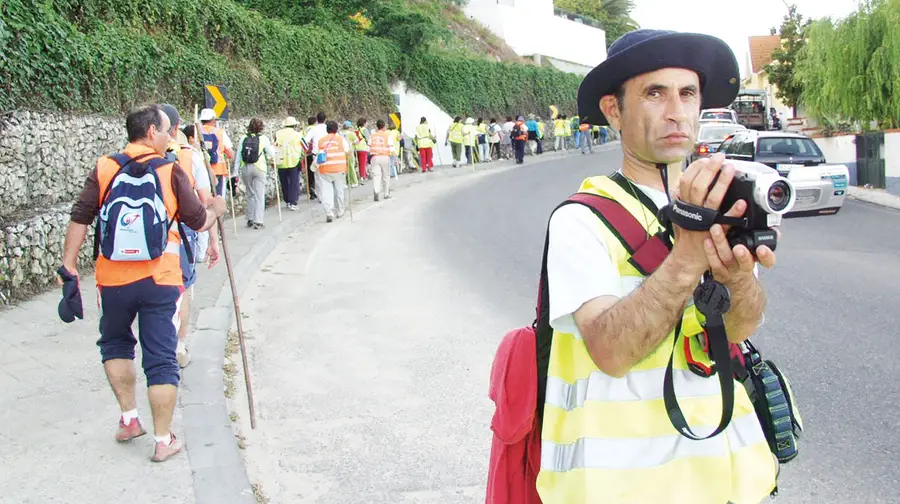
[642, 51]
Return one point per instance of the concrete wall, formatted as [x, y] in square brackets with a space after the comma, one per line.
[413, 106]
[530, 28]
[892, 161]
[44, 160]
[840, 149]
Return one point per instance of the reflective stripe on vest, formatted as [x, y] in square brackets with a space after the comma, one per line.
[456, 132]
[335, 158]
[608, 439]
[378, 144]
[166, 269]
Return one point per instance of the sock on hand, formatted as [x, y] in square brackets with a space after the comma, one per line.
[167, 439]
[128, 416]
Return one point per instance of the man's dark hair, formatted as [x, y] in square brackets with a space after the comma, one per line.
[139, 120]
[509, 118]
[320, 117]
[310, 120]
[256, 126]
[423, 121]
[188, 131]
[457, 119]
[331, 127]
[620, 97]
[379, 123]
[361, 122]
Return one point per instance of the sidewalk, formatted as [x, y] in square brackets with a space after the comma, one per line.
[875, 196]
[59, 415]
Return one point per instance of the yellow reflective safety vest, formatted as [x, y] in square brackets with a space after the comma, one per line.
[456, 133]
[288, 147]
[559, 127]
[607, 439]
[423, 136]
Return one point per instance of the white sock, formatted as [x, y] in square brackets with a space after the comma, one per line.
[180, 348]
[167, 439]
[127, 416]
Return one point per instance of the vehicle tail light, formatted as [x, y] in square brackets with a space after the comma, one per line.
[703, 149]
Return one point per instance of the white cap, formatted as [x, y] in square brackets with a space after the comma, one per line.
[207, 114]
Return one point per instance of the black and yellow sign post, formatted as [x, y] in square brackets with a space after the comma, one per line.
[216, 98]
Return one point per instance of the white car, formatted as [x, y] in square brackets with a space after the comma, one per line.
[718, 115]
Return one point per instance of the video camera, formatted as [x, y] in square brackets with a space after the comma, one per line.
[768, 195]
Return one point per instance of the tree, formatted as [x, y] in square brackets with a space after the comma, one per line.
[784, 59]
[614, 15]
[850, 69]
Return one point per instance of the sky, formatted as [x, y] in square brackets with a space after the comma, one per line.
[732, 21]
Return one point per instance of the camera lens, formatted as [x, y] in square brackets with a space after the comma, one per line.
[779, 196]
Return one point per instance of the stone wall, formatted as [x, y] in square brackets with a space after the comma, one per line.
[44, 160]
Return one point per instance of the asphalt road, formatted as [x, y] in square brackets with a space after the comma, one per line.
[830, 324]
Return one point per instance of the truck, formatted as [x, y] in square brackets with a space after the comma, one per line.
[752, 108]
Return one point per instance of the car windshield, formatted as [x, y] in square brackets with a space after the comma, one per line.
[788, 147]
[717, 133]
[726, 116]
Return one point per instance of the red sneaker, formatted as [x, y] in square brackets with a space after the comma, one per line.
[163, 451]
[130, 431]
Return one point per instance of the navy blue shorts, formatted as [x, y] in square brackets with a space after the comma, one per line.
[158, 310]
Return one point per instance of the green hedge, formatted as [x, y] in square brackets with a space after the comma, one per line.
[468, 86]
[108, 55]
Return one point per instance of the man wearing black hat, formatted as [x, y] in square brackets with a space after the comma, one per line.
[606, 435]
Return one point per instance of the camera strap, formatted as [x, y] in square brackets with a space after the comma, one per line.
[712, 299]
[696, 218]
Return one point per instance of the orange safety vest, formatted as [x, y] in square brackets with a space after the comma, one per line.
[584, 127]
[378, 144]
[221, 166]
[166, 269]
[186, 161]
[335, 158]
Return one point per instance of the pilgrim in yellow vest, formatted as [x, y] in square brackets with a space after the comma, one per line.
[608, 439]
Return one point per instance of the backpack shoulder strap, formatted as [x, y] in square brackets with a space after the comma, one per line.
[647, 253]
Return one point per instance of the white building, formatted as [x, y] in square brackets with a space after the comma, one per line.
[531, 28]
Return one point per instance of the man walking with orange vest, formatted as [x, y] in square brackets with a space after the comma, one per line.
[332, 165]
[219, 147]
[138, 272]
[380, 146]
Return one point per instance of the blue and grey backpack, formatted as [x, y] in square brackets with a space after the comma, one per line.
[132, 224]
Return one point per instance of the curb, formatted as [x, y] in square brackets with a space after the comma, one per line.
[878, 197]
[217, 465]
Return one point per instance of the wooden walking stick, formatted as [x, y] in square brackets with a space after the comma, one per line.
[305, 174]
[234, 292]
[277, 191]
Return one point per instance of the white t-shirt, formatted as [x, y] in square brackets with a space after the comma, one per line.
[201, 181]
[315, 134]
[579, 267]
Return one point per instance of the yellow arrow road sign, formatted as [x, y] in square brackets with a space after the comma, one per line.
[217, 99]
[553, 111]
[395, 116]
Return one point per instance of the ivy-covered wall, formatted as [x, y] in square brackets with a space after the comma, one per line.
[108, 55]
